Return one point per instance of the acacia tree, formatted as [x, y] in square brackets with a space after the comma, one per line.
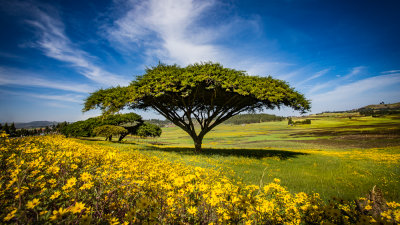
[198, 97]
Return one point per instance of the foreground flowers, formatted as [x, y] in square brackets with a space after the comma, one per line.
[58, 180]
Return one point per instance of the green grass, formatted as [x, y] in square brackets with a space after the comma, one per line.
[334, 156]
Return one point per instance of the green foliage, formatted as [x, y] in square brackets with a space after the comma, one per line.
[253, 118]
[306, 121]
[298, 122]
[205, 93]
[290, 121]
[149, 130]
[82, 128]
[130, 122]
[109, 130]
[109, 101]
[6, 128]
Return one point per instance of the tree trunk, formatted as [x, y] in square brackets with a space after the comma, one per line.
[122, 137]
[197, 145]
[110, 138]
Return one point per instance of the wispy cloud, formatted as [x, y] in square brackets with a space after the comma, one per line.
[390, 71]
[175, 31]
[17, 77]
[55, 44]
[333, 83]
[63, 98]
[167, 30]
[315, 76]
[358, 93]
[355, 71]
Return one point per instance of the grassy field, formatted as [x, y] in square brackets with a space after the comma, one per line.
[341, 155]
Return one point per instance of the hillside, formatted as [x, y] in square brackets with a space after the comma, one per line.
[35, 124]
[382, 106]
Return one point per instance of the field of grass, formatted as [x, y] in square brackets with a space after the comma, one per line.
[341, 155]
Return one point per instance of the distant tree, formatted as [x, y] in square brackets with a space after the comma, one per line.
[1, 127]
[47, 129]
[149, 130]
[253, 118]
[290, 121]
[12, 130]
[108, 131]
[82, 128]
[207, 94]
[60, 126]
[23, 132]
[130, 121]
[6, 128]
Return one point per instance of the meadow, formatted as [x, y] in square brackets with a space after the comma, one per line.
[266, 173]
[338, 155]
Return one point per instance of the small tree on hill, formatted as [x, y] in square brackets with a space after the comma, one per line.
[108, 131]
[207, 94]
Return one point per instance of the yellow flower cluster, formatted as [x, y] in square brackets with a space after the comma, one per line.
[58, 180]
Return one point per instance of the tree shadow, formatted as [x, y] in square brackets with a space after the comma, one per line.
[245, 152]
[249, 153]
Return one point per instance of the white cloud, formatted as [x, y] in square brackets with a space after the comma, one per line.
[55, 44]
[64, 98]
[315, 76]
[333, 83]
[167, 30]
[355, 71]
[17, 77]
[181, 32]
[359, 93]
[391, 71]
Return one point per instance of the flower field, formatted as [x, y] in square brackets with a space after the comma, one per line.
[52, 179]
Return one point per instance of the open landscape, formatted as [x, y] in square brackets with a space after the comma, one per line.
[338, 155]
[211, 112]
[337, 161]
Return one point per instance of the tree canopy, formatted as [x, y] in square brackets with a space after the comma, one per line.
[149, 130]
[129, 121]
[108, 131]
[201, 95]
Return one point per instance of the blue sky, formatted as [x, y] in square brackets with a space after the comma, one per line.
[340, 54]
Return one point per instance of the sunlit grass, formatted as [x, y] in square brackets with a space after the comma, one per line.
[312, 158]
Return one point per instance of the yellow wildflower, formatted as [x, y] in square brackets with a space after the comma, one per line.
[10, 215]
[32, 204]
[58, 213]
[55, 195]
[192, 210]
[70, 183]
[87, 185]
[78, 207]
[85, 177]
